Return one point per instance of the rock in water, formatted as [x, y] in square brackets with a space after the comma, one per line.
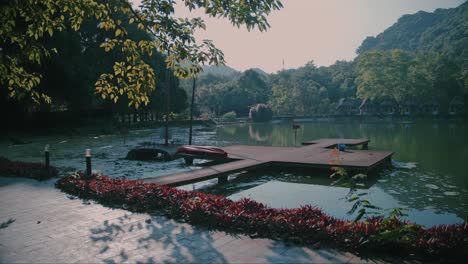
[17, 141]
[148, 154]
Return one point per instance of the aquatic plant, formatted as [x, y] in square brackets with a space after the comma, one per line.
[32, 170]
[306, 224]
[335, 161]
[229, 116]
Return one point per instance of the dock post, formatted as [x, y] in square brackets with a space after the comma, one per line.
[222, 179]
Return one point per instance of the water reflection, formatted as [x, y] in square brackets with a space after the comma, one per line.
[259, 133]
[289, 188]
[429, 176]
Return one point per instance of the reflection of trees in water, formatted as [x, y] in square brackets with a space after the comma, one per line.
[440, 150]
[230, 130]
[439, 147]
[254, 178]
[260, 133]
[422, 190]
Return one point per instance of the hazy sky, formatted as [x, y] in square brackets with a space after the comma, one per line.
[320, 30]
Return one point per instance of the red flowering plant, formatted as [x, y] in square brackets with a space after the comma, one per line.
[32, 170]
[306, 224]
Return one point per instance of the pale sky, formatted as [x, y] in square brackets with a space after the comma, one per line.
[320, 30]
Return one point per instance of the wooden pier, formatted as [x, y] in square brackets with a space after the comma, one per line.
[315, 154]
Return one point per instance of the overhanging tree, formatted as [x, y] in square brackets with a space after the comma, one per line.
[25, 23]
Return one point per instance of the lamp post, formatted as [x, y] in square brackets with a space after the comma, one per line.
[47, 157]
[168, 106]
[295, 127]
[191, 111]
[88, 163]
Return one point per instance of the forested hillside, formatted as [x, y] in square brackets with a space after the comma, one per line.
[421, 60]
[219, 70]
[444, 31]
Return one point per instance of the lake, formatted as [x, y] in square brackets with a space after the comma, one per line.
[428, 175]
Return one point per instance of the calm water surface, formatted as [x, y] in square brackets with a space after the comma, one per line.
[429, 173]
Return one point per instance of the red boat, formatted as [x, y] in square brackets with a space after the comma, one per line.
[207, 151]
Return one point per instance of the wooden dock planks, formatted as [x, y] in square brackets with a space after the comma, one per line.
[315, 154]
[207, 173]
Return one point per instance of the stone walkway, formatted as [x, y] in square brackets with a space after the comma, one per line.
[40, 224]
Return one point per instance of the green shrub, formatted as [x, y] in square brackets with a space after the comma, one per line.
[260, 113]
[206, 115]
[229, 116]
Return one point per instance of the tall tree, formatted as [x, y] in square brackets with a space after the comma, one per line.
[25, 23]
[384, 74]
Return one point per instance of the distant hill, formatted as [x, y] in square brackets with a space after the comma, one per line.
[222, 70]
[443, 31]
[260, 71]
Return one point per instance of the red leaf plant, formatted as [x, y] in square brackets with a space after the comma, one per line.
[306, 224]
[32, 170]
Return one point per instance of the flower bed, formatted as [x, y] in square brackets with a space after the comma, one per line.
[32, 170]
[306, 224]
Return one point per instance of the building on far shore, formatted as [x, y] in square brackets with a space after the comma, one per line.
[430, 107]
[367, 107]
[388, 106]
[347, 106]
[456, 106]
[409, 107]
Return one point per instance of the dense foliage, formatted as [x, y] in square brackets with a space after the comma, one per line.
[229, 116]
[396, 75]
[219, 94]
[401, 76]
[306, 224]
[421, 59]
[32, 170]
[440, 36]
[39, 39]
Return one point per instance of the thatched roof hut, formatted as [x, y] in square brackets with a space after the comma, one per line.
[347, 106]
[347, 102]
[457, 100]
[456, 105]
[431, 102]
[388, 106]
[367, 106]
[410, 102]
[408, 107]
[430, 106]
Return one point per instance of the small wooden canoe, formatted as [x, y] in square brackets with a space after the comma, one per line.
[207, 151]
